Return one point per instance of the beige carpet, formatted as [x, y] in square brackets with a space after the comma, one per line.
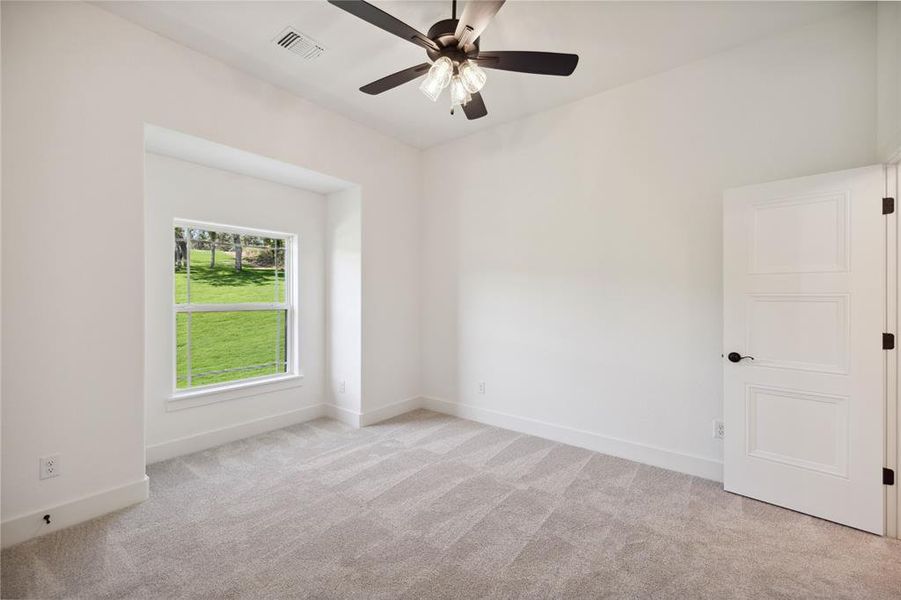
[429, 506]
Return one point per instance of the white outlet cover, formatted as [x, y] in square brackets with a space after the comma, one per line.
[49, 466]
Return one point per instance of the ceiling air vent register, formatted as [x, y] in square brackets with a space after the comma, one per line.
[299, 43]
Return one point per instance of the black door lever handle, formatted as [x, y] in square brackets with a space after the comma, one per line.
[736, 357]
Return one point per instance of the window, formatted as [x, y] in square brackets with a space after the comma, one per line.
[233, 306]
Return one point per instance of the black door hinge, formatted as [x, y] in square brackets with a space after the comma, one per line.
[888, 477]
[888, 206]
[888, 341]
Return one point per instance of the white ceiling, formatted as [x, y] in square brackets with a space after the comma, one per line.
[617, 42]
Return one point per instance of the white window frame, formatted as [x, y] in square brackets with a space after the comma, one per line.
[292, 365]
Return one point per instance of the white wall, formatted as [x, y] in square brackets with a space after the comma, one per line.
[343, 257]
[74, 108]
[576, 265]
[888, 39]
[178, 189]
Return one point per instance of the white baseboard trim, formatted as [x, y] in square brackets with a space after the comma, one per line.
[217, 437]
[344, 415]
[643, 453]
[384, 413]
[25, 527]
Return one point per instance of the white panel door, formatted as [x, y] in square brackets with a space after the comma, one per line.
[804, 270]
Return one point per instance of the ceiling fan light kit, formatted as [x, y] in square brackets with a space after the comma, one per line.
[452, 46]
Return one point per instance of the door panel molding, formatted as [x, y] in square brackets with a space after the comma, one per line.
[777, 249]
[763, 349]
[818, 409]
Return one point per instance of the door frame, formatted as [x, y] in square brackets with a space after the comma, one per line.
[892, 458]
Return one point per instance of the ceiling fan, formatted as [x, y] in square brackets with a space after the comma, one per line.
[452, 46]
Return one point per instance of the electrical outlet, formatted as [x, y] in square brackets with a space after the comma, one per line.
[342, 387]
[719, 429]
[49, 466]
[481, 387]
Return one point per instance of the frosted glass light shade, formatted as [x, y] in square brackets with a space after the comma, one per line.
[458, 93]
[472, 76]
[443, 67]
[431, 87]
[438, 78]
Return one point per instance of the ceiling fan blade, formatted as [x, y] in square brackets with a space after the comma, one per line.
[395, 79]
[383, 20]
[540, 63]
[477, 14]
[475, 108]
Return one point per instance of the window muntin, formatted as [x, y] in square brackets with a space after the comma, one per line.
[232, 305]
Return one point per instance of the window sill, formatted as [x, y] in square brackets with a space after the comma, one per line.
[233, 391]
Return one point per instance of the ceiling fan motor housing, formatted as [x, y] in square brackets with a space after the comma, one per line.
[443, 33]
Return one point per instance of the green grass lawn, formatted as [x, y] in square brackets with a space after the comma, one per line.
[222, 284]
[229, 340]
